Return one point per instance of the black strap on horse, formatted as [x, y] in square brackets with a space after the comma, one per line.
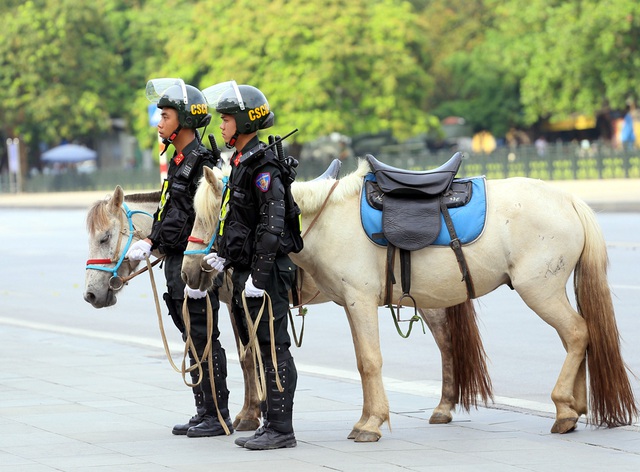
[405, 274]
[457, 250]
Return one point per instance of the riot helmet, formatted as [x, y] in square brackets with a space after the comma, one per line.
[245, 103]
[187, 100]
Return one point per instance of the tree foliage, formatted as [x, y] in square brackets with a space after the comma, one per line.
[320, 70]
[568, 55]
[68, 67]
[471, 80]
[55, 72]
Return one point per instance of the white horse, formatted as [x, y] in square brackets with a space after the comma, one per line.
[535, 237]
[465, 377]
[113, 225]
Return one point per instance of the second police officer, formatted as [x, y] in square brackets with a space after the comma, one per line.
[254, 239]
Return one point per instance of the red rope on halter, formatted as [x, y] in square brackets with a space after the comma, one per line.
[193, 239]
[99, 261]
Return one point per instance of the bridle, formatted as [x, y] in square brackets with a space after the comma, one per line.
[207, 249]
[204, 251]
[116, 282]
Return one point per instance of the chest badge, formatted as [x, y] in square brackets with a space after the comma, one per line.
[263, 181]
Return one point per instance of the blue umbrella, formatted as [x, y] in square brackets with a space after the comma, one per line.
[69, 153]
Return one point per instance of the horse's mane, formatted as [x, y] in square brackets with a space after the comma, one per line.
[310, 196]
[98, 216]
[204, 201]
[149, 197]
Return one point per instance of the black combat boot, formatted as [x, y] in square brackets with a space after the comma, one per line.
[265, 421]
[181, 429]
[210, 424]
[278, 430]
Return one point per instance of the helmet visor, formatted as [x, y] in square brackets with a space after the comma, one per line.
[230, 88]
[156, 88]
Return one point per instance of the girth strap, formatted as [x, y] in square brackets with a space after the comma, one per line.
[390, 279]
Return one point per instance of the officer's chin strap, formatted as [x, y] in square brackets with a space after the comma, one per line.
[254, 346]
[232, 142]
[169, 140]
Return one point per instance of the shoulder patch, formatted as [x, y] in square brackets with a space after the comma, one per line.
[263, 181]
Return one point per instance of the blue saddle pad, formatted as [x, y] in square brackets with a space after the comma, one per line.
[468, 220]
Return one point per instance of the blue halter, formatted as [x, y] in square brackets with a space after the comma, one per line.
[114, 271]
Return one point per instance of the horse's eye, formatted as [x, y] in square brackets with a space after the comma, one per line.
[105, 238]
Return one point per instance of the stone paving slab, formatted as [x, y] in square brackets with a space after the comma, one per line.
[70, 403]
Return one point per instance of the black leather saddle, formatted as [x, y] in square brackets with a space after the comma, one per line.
[411, 201]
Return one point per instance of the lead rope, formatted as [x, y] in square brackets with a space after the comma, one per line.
[188, 344]
[207, 354]
[253, 346]
[163, 335]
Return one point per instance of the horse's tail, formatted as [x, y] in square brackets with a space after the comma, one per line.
[471, 376]
[611, 396]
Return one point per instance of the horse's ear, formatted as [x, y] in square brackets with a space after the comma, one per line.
[117, 198]
[209, 176]
[214, 182]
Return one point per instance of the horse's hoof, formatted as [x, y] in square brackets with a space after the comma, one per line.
[353, 434]
[246, 425]
[367, 436]
[565, 425]
[440, 418]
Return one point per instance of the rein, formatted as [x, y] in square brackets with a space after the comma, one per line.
[300, 306]
[253, 346]
[324, 204]
[189, 345]
[207, 249]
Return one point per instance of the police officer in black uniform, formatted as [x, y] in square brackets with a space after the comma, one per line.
[184, 109]
[254, 240]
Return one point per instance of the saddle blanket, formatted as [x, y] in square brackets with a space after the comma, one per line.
[468, 220]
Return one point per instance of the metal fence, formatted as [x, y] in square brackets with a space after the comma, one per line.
[102, 179]
[559, 162]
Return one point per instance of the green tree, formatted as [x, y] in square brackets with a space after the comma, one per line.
[146, 30]
[570, 55]
[55, 71]
[332, 65]
[470, 78]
